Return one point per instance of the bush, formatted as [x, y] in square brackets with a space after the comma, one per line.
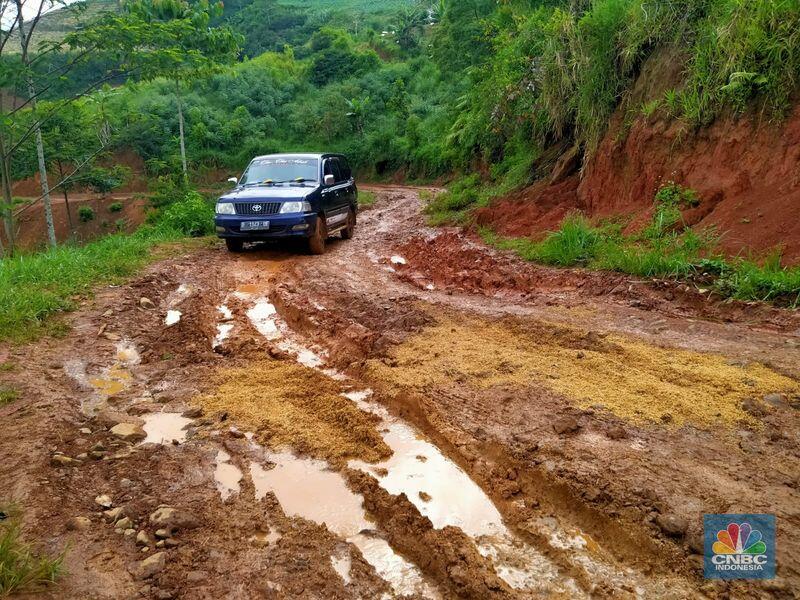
[115, 207]
[192, 216]
[86, 214]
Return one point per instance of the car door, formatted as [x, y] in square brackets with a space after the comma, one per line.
[330, 200]
[347, 174]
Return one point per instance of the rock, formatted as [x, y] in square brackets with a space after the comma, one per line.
[109, 418]
[617, 432]
[152, 565]
[172, 518]
[60, 460]
[753, 407]
[160, 544]
[143, 539]
[125, 483]
[124, 523]
[114, 514]
[85, 431]
[196, 576]
[130, 532]
[566, 425]
[672, 525]
[193, 413]
[79, 524]
[776, 400]
[163, 534]
[82, 456]
[146, 303]
[104, 501]
[171, 543]
[128, 432]
[97, 455]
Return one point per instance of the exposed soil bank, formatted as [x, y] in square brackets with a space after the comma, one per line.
[745, 170]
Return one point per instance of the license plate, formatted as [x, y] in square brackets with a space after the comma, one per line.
[254, 225]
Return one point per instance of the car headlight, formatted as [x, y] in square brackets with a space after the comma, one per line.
[225, 208]
[295, 207]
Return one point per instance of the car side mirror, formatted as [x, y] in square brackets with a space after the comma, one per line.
[233, 180]
[329, 180]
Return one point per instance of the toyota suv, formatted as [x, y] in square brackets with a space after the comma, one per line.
[289, 196]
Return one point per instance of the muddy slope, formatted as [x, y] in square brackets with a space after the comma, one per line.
[745, 168]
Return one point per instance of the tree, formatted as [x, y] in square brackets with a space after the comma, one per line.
[200, 51]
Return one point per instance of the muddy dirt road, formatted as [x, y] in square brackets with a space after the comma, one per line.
[410, 415]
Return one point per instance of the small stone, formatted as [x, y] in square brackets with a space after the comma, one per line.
[160, 544]
[104, 501]
[152, 565]
[171, 543]
[125, 483]
[79, 524]
[672, 525]
[566, 425]
[124, 523]
[617, 432]
[128, 432]
[114, 514]
[163, 534]
[193, 413]
[172, 518]
[97, 455]
[424, 496]
[143, 539]
[60, 460]
[146, 303]
[85, 431]
[82, 456]
[129, 532]
[776, 400]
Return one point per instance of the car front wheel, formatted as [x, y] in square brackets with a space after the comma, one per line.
[349, 231]
[234, 244]
[316, 243]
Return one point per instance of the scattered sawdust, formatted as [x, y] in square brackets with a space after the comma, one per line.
[632, 379]
[289, 405]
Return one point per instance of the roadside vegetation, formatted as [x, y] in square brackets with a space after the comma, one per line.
[665, 248]
[34, 287]
[22, 568]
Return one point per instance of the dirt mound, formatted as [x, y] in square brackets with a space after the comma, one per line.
[299, 407]
[636, 381]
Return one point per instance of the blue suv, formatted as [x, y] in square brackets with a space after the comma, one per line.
[289, 196]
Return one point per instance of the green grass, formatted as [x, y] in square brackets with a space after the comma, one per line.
[366, 199]
[680, 254]
[21, 567]
[7, 395]
[35, 287]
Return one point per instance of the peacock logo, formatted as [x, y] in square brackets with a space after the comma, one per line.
[739, 539]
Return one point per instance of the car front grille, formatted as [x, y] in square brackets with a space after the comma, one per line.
[249, 208]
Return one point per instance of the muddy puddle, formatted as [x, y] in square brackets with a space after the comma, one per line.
[227, 476]
[301, 483]
[110, 381]
[445, 494]
[165, 428]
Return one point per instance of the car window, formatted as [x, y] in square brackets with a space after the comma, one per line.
[345, 168]
[337, 171]
[281, 168]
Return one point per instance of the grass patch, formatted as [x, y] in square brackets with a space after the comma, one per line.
[7, 395]
[665, 248]
[21, 567]
[366, 199]
[7, 367]
[34, 287]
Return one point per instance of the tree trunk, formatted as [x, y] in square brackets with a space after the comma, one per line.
[48, 206]
[66, 200]
[180, 129]
[8, 199]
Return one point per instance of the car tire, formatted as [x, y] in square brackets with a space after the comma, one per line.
[350, 229]
[316, 243]
[234, 244]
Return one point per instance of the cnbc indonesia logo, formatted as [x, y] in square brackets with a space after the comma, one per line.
[743, 548]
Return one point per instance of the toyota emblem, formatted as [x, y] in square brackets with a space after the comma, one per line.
[257, 208]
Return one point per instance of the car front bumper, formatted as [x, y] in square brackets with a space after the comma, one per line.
[280, 226]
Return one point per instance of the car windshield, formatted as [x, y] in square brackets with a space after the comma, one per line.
[281, 169]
